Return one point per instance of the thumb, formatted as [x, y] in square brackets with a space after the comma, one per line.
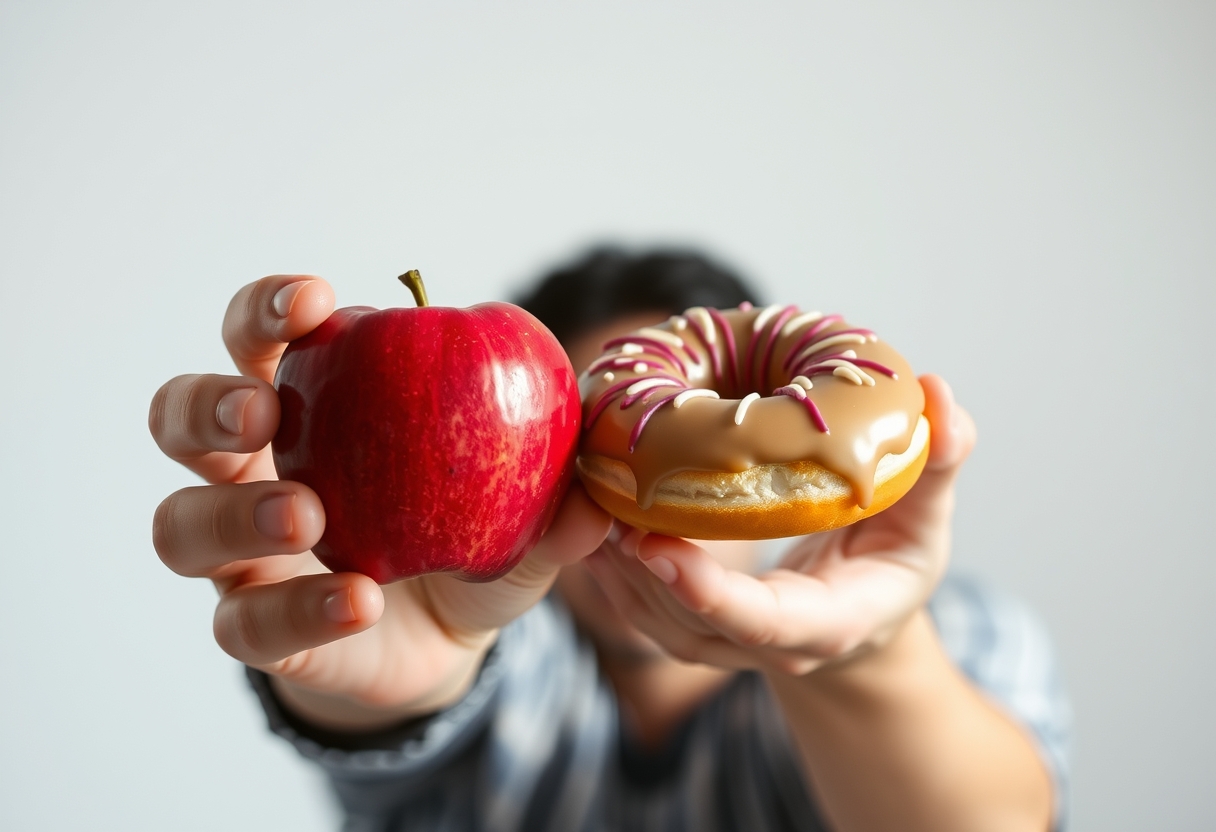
[953, 429]
[930, 502]
[578, 529]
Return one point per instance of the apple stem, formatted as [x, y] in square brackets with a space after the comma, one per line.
[413, 281]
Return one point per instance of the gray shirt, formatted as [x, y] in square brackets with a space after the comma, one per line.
[536, 744]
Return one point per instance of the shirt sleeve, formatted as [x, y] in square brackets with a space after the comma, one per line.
[528, 740]
[1005, 649]
[374, 775]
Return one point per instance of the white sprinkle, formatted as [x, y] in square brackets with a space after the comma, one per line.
[846, 372]
[800, 321]
[648, 383]
[706, 323]
[640, 367]
[818, 346]
[849, 353]
[632, 349]
[609, 376]
[802, 381]
[678, 323]
[695, 393]
[744, 404]
[849, 370]
[661, 335]
[797, 390]
[763, 317]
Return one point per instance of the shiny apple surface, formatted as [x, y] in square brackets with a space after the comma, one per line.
[438, 439]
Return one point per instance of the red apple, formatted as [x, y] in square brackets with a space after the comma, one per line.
[439, 439]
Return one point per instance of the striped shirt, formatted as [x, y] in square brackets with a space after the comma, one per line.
[536, 744]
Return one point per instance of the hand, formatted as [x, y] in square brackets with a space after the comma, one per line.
[837, 595]
[346, 652]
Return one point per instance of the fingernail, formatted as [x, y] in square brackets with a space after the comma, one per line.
[272, 517]
[663, 569]
[230, 412]
[285, 297]
[338, 608]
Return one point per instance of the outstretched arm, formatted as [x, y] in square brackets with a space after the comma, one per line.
[893, 736]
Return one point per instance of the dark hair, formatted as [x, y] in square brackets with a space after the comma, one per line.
[608, 283]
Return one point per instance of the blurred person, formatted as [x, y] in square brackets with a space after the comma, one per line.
[616, 680]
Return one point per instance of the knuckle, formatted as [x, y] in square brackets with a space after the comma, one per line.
[197, 410]
[162, 533]
[299, 666]
[228, 530]
[238, 629]
[165, 409]
[755, 637]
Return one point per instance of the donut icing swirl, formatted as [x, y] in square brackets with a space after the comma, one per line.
[726, 390]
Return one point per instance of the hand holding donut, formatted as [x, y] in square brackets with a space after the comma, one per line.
[836, 595]
[346, 652]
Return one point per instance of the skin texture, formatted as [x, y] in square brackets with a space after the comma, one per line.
[894, 736]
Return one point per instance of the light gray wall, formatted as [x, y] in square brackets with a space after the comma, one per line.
[1023, 199]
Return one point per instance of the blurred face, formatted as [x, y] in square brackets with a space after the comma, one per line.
[588, 603]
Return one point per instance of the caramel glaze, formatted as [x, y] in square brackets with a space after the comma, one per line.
[863, 421]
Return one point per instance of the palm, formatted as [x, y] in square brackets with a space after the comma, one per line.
[834, 593]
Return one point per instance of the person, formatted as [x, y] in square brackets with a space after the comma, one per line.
[616, 680]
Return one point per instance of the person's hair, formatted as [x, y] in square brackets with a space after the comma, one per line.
[608, 283]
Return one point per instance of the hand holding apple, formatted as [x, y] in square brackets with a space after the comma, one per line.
[343, 652]
[438, 439]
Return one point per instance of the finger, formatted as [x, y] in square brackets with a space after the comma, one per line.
[264, 625]
[265, 315]
[927, 507]
[199, 530]
[578, 528]
[783, 610]
[658, 622]
[952, 433]
[211, 424]
[471, 609]
[649, 581]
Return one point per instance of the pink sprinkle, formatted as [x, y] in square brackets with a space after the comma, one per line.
[873, 365]
[785, 315]
[809, 336]
[802, 342]
[728, 335]
[816, 416]
[637, 429]
[652, 346]
[611, 393]
[643, 395]
[621, 361]
[819, 366]
[745, 306]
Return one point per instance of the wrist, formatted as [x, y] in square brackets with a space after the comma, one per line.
[902, 661]
[373, 710]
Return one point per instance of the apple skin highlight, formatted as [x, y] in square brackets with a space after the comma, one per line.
[438, 439]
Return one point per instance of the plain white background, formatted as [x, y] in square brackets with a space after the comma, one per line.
[1022, 199]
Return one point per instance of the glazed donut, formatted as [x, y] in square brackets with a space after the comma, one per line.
[749, 423]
